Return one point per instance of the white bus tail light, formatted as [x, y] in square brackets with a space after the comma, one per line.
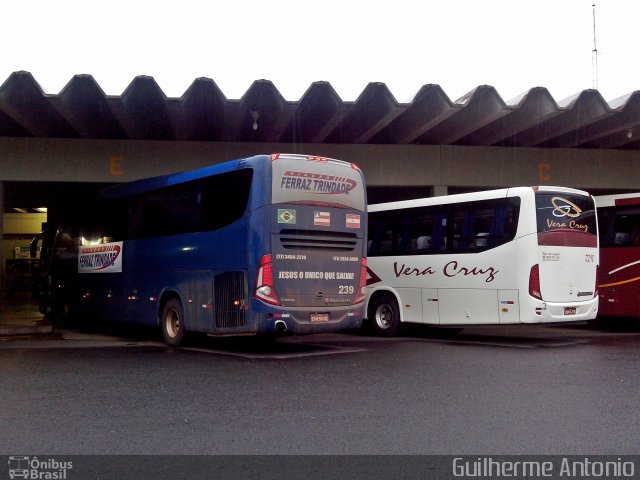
[534, 282]
[264, 282]
[362, 283]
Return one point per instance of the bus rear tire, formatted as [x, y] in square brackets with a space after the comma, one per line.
[384, 315]
[172, 323]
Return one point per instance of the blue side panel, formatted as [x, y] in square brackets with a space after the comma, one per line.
[184, 265]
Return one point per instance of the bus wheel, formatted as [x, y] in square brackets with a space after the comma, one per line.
[384, 315]
[172, 323]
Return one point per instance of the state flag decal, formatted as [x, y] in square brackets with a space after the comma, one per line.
[353, 220]
[322, 219]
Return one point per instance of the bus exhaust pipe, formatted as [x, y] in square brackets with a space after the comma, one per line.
[281, 326]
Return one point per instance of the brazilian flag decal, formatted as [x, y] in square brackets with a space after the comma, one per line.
[286, 215]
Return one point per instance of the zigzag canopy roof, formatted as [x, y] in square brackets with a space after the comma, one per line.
[481, 118]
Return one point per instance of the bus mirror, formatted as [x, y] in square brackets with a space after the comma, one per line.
[33, 247]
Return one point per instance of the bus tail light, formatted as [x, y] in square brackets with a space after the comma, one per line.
[534, 282]
[362, 282]
[264, 282]
[596, 292]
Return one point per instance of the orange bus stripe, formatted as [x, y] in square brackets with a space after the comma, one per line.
[619, 283]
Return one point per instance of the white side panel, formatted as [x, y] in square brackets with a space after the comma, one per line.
[410, 304]
[463, 306]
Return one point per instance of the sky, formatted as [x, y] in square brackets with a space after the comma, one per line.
[511, 45]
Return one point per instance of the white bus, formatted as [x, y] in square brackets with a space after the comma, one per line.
[508, 256]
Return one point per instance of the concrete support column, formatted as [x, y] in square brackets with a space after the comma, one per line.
[440, 190]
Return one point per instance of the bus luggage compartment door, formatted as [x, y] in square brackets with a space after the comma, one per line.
[509, 307]
[459, 306]
[430, 309]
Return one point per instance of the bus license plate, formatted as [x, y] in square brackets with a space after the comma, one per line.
[569, 310]
[319, 317]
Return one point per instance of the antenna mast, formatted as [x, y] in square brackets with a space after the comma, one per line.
[594, 52]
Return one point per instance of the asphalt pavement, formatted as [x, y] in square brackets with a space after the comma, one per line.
[516, 390]
[21, 317]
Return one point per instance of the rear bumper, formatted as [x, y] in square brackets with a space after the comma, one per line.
[550, 312]
[297, 321]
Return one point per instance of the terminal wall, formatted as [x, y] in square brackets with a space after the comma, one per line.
[69, 160]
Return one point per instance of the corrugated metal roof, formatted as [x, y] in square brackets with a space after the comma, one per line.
[203, 113]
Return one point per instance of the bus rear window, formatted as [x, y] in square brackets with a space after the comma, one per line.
[565, 212]
[314, 183]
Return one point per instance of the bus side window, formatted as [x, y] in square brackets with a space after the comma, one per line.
[403, 244]
[439, 239]
[380, 236]
[153, 218]
[385, 245]
[606, 226]
[462, 229]
[422, 234]
[224, 198]
[626, 230]
[427, 233]
[183, 210]
[484, 219]
[503, 224]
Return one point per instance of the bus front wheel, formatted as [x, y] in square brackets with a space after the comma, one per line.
[384, 315]
[172, 323]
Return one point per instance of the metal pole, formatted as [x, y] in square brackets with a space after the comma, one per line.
[594, 52]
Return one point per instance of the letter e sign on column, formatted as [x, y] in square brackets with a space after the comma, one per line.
[116, 167]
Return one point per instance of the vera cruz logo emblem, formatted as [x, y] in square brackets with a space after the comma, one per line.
[564, 208]
[566, 215]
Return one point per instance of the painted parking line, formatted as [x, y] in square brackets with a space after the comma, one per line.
[528, 343]
[279, 350]
[314, 351]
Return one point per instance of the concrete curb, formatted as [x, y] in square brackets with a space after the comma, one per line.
[35, 328]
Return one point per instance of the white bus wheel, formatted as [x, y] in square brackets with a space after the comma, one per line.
[384, 315]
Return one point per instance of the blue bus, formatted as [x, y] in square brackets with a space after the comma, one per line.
[265, 245]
